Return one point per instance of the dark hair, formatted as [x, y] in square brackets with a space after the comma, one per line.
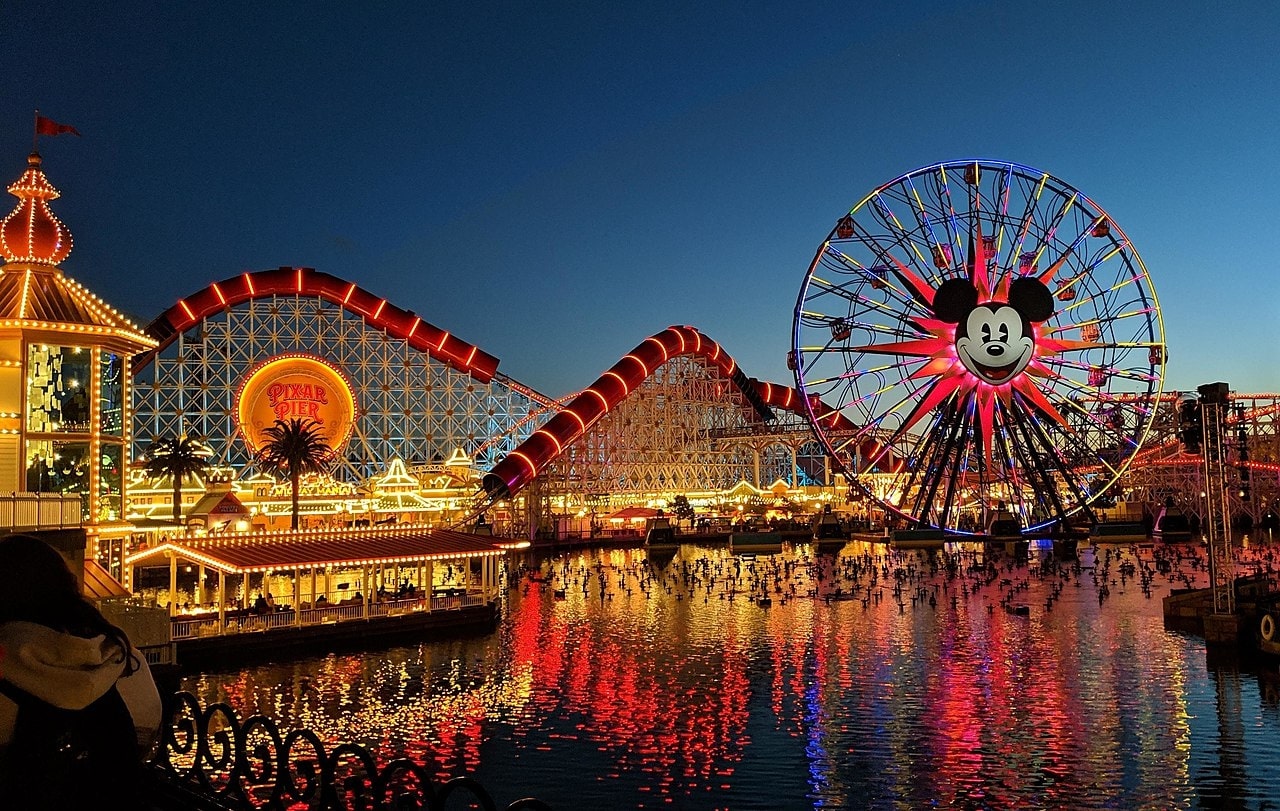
[36, 585]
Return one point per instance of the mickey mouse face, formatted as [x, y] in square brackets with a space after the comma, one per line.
[994, 340]
[991, 343]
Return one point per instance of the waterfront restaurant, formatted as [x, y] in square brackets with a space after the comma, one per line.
[318, 577]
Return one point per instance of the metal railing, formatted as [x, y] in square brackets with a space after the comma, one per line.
[23, 510]
[208, 758]
[158, 654]
[243, 622]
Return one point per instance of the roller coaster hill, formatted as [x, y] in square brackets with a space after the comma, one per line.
[439, 436]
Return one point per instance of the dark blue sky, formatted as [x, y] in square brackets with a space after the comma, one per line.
[556, 183]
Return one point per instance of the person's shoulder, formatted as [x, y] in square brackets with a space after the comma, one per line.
[142, 698]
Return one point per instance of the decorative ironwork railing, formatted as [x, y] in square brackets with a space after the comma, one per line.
[209, 758]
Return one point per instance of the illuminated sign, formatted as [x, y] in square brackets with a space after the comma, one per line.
[296, 387]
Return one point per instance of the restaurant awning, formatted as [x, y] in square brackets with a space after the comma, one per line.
[633, 513]
[260, 552]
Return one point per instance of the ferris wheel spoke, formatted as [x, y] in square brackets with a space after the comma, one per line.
[942, 189]
[1068, 474]
[918, 292]
[1034, 448]
[1100, 372]
[919, 454]
[1070, 252]
[846, 264]
[1107, 301]
[1083, 450]
[846, 290]
[942, 465]
[1086, 271]
[855, 374]
[1028, 214]
[923, 217]
[878, 275]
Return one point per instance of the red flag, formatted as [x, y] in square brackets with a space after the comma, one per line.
[47, 126]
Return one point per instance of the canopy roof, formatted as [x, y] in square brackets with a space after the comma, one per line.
[99, 584]
[629, 513]
[260, 552]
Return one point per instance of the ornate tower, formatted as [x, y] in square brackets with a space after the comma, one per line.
[64, 358]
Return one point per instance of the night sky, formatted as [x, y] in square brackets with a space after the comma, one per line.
[555, 182]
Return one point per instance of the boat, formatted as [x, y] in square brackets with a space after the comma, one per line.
[920, 538]
[1118, 532]
[659, 533]
[829, 534]
[1172, 525]
[827, 526]
[1004, 526]
[753, 543]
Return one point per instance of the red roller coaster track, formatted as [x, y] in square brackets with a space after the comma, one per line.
[378, 312]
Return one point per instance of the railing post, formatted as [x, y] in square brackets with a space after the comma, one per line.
[222, 602]
[173, 583]
[365, 581]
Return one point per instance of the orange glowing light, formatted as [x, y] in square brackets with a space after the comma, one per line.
[618, 377]
[296, 387]
[533, 469]
[643, 369]
[660, 345]
[551, 437]
[603, 402]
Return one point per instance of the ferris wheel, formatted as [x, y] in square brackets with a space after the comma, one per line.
[990, 340]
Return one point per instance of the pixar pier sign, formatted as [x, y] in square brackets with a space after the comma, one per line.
[296, 387]
[297, 400]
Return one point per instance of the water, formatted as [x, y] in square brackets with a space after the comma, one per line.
[661, 692]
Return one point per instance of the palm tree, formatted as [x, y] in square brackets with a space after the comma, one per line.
[293, 448]
[178, 460]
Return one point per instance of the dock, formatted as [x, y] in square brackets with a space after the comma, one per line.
[279, 635]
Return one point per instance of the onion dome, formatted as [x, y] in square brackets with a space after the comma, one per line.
[31, 233]
[34, 293]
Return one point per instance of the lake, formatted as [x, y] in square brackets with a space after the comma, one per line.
[872, 679]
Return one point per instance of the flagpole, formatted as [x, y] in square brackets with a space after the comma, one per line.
[35, 131]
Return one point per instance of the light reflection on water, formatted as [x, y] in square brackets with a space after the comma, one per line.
[615, 685]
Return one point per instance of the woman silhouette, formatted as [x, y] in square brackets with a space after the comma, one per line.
[78, 706]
